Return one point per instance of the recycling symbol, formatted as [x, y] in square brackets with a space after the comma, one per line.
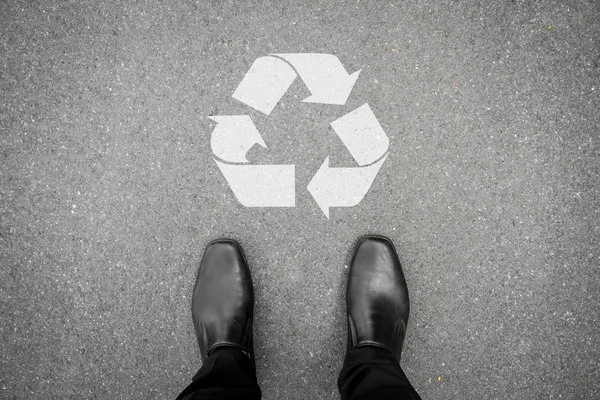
[261, 88]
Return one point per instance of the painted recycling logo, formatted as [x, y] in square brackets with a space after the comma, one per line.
[261, 88]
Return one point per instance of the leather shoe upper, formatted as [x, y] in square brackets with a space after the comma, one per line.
[376, 297]
[223, 300]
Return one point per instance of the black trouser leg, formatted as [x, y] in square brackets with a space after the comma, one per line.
[373, 373]
[227, 374]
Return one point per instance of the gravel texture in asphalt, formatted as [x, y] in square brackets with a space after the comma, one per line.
[109, 192]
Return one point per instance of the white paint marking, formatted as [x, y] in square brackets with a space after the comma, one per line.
[324, 75]
[342, 187]
[265, 84]
[363, 136]
[233, 137]
[261, 185]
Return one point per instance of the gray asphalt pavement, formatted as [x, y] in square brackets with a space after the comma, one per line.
[109, 192]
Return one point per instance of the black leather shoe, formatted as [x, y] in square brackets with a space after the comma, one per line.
[223, 300]
[376, 297]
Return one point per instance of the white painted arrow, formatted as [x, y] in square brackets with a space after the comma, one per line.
[261, 185]
[233, 137]
[342, 187]
[324, 75]
[363, 136]
[265, 83]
